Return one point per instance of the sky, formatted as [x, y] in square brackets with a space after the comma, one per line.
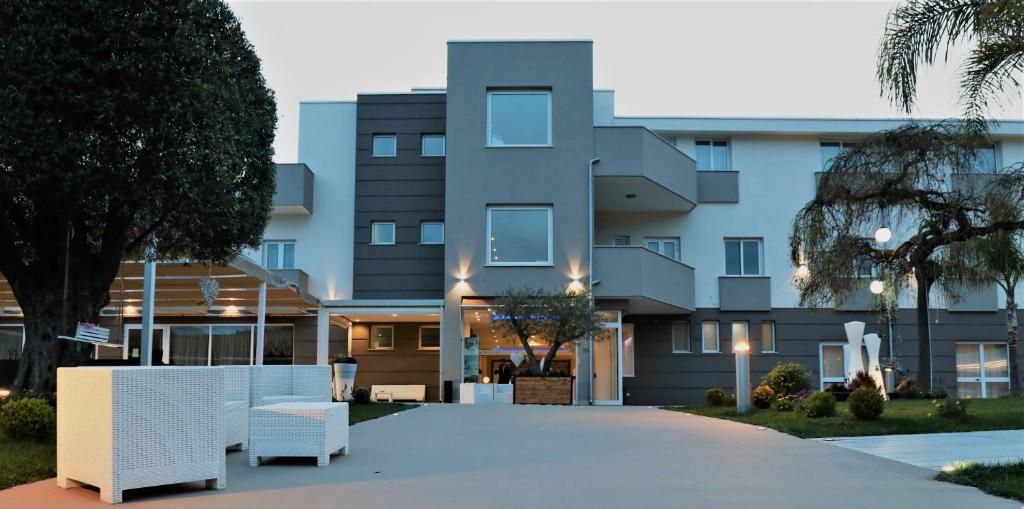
[724, 58]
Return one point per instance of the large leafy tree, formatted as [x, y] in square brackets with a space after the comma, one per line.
[920, 32]
[123, 122]
[553, 318]
[997, 257]
[914, 180]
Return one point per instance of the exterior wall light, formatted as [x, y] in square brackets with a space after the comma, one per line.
[883, 235]
[876, 287]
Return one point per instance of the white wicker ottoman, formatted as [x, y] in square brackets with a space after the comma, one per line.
[298, 429]
[120, 428]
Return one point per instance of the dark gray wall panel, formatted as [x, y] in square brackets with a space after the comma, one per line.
[718, 187]
[744, 293]
[407, 189]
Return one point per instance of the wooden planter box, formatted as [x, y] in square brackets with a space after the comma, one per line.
[542, 390]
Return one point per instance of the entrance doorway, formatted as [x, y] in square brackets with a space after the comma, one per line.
[607, 350]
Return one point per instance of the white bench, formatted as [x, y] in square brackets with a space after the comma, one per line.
[398, 392]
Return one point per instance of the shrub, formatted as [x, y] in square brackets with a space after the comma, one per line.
[906, 384]
[819, 404]
[861, 380]
[343, 359]
[361, 396]
[715, 396]
[866, 404]
[784, 404]
[838, 391]
[787, 379]
[938, 393]
[762, 397]
[27, 419]
[730, 401]
[949, 408]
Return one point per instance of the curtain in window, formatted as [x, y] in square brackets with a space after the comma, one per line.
[10, 343]
[231, 345]
[277, 345]
[189, 346]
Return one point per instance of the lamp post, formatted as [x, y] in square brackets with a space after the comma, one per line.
[742, 351]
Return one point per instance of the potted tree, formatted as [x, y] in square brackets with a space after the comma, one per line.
[344, 376]
[546, 319]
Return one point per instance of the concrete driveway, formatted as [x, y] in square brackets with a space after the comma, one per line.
[519, 457]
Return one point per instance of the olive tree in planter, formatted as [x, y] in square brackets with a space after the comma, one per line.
[555, 317]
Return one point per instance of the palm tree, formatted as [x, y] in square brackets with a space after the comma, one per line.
[919, 32]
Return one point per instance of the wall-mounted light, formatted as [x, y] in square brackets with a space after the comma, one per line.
[876, 287]
[130, 310]
[883, 235]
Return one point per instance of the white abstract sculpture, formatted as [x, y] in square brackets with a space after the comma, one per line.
[873, 343]
[854, 357]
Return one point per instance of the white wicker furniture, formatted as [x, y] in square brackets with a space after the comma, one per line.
[236, 406]
[298, 429]
[282, 384]
[398, 392]
[120, 428]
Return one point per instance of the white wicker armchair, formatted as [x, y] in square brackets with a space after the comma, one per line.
[236, 406]
[283, 384]
[120, 428]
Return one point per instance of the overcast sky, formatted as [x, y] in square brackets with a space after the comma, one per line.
[789, 59]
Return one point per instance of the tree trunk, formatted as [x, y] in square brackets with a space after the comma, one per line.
[530, 355]
[550, 357]
[1011, 341]
[924, 347]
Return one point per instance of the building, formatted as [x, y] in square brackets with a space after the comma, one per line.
[407, 214]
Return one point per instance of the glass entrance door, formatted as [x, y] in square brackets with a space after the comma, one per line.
[982, 370]
[134, 344]
[607, 350]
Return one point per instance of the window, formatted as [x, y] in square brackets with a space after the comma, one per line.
[232, 345]
[743, 257]
[431, 232]
[863, 266]
[432, 145]
[740, 333]
[279, 254]
[190, 345]
[984, 160]
[12, 340]
[519, 236]
[430, 337]
[982, 370]
[628, 350]
[385, 145]
[668, 246]
[382, 233]
[518, 118]
[833, 364]
[830, 149]
[382, 337]
[768, 337]
[680, 337]
[712, 155]
[709, 337]
[620, 240]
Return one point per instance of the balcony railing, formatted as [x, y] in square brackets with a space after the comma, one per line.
[294, 193]
[650, 282]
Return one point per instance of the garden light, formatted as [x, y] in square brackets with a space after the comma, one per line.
[883, 235]
[876, 287]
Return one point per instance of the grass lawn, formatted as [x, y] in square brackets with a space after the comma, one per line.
[901, 417]
[1001, 480]
[25, 462]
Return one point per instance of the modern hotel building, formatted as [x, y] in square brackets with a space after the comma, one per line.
[408, 213]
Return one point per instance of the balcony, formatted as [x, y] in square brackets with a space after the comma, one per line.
[745, 293]
[641, 172]
[297, 277]
[718, 186]
[650, 282]
[294, 193]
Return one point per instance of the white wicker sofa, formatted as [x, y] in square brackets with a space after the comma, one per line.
[285, 384]
[236, 406]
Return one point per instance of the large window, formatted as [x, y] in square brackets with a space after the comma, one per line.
[740, 333]
[680, 337]
[382, 337]
[518, 118]
[279, 254]
[768, 336]
[667, 246]
[190, 345]
[833, 364]
[712, 155]
[982, 370]
[830, 149]
[432, 145]
[984, 160]
[11, 342]
[709, 337]
[385, 145]
[382, 233]
[519, 236]
[430, 337]
[278, 345]
[431, 232]
[743, 257]
[232, 344]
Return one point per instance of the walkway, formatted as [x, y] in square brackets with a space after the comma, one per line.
[936, 450]
[494, 457]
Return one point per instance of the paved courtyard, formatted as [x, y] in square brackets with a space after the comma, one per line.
[936, 450]
[518, 457]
